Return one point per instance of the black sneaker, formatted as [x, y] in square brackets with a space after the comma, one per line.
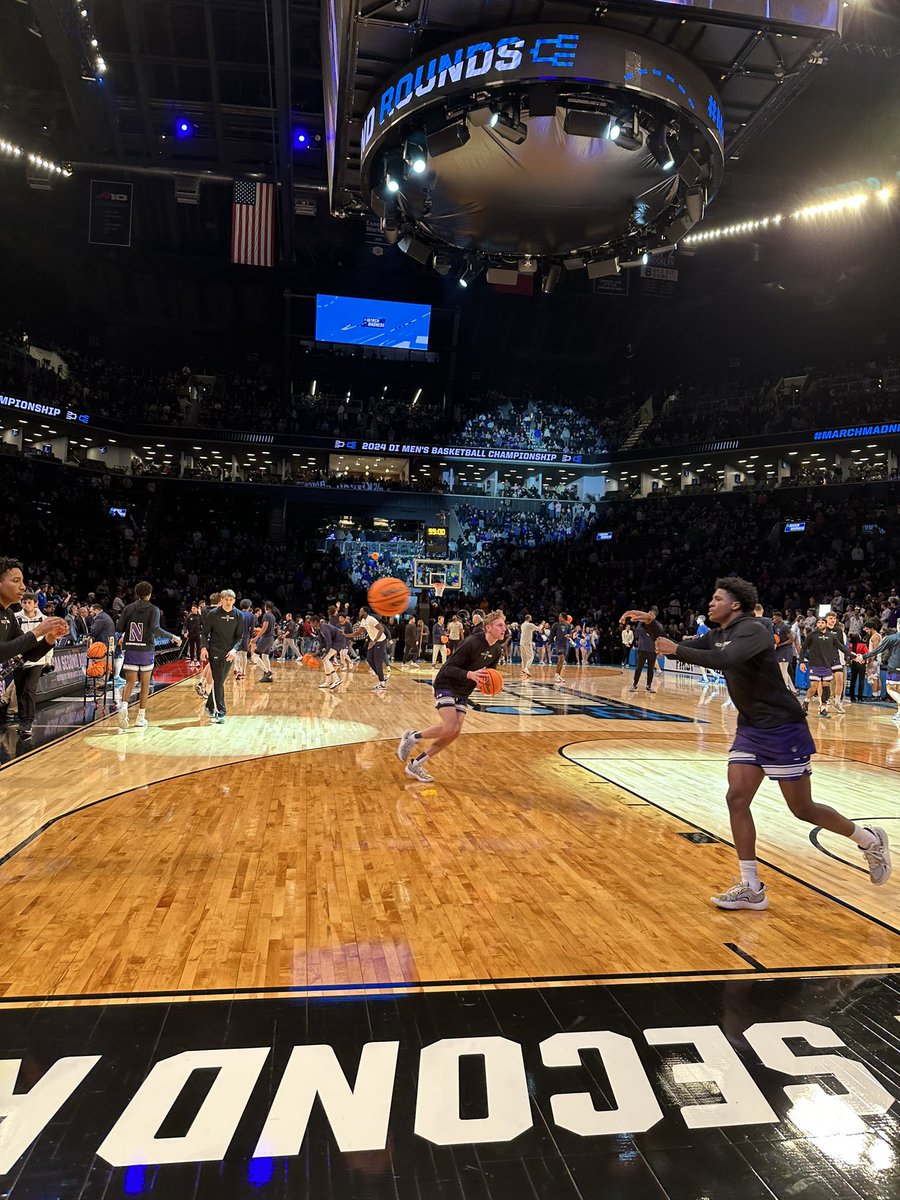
[25, 732]
[266, 678]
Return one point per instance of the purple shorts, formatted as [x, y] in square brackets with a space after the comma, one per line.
[820, 672]
[893, 676]
[138, 660]
[447, 698]
[783, 752]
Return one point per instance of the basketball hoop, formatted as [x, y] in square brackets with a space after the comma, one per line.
[439, 589]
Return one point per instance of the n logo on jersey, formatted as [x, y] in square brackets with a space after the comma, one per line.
[136, 631]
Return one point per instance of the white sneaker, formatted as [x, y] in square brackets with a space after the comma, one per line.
[123, 719]
[878, 857]
[557, 678]
[418, 772]
[407, 741]
[335, 683]
[141, 722]
[324, 685]
[380, 687]
[742, 895]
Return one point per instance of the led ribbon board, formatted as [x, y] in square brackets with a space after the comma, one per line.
[545, 53]
[803, 14]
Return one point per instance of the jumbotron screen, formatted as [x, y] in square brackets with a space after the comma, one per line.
[360, 322]
[817, 14]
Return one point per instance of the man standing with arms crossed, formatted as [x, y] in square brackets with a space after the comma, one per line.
[220, 637]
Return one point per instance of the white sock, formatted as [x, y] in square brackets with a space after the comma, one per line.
[863, 837]
[142, 712]
[750, 873]
[123, 707]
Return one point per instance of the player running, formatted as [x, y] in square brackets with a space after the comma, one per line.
[453, 685]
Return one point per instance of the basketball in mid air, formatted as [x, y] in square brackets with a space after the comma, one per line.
[388, 597]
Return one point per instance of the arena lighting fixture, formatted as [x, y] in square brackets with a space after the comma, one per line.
[483, 116]
[415, 156]
[471, 271]
[630, 135]
[450, 137]
[573, 262]
[661, 147]
[551, 278]
[184, 128]
[420, 251]
[510, 128]
[591, 123]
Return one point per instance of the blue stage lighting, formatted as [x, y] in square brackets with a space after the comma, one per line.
[184, 128]
[302, 139]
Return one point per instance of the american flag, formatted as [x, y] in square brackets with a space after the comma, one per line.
[253, 223]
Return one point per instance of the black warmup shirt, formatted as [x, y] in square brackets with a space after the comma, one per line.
[821, 649]
[474, 654]
[745, 654]
[222, 631]
[14, 642]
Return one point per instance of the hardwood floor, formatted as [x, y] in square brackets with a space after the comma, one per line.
[570, 834]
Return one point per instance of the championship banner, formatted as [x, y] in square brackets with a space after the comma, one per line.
[110, 213]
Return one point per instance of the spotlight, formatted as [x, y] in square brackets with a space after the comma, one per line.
[630, 135]
[690, 171]
[695, 204]
[573, 262]
[591, 123]
[415, 249]
[442, 262]
[645, 259]
[301, 139]
[471, 272]
[661, 148]
[393, 173]
[451, 137]
[504, 276]
[483, 116]
[415, 156]
[603, 268]
[184, 128]
[528, 265]
[509, 127]
[551, 278]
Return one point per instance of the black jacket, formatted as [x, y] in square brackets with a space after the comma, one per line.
[13, 642]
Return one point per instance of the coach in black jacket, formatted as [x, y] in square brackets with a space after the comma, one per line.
[13, 642]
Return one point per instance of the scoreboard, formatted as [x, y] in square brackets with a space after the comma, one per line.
[436, 540]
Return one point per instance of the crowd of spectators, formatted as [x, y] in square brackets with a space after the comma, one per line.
[88, 381]
[810, 399]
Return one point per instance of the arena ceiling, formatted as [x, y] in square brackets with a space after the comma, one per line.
[247, 78]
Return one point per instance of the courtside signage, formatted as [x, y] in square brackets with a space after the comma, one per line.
[829, 435]
[42, 410]
[536, 456]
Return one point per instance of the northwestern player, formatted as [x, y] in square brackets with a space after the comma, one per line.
[772, 737]
[453, 685]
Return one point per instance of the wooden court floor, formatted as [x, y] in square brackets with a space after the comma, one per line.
[571, 835]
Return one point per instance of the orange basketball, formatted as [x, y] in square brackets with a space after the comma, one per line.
[388, 597]
[311, 661]
[97, 650]
[493, 684]
[445, 640]
[96, 668]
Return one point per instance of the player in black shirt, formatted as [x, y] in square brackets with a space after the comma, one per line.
[221, 636]
[821, 649]
[453, 685]
[772, 737]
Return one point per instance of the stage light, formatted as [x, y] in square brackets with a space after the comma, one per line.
[420, 251]
[573, 262]
[661, 148]
[483, 116]
[442, 262]
[630, 134]
[392, 184]
[301, 139]
[471, 271]
[509, 127]
[591, 123]
[645, 258]
[451, 137]
[551, 278]
[884, 194]
[603, 268]
[184, 128]
[415, 156]
[393, 173]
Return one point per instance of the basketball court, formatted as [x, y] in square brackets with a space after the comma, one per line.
[509, 980]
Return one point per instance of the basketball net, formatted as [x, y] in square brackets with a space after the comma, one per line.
[439, 590]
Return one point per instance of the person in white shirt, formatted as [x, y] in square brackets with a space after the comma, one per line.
[28, 674]
[526, 645]
[377, 636]
[627, 643]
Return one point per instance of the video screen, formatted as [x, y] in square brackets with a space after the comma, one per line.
[360, 322]
[604, 537]
[817, 14]
[795, 527]
[118, 512]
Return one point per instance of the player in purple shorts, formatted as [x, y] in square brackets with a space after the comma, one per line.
[772, 737]
[138, 627]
